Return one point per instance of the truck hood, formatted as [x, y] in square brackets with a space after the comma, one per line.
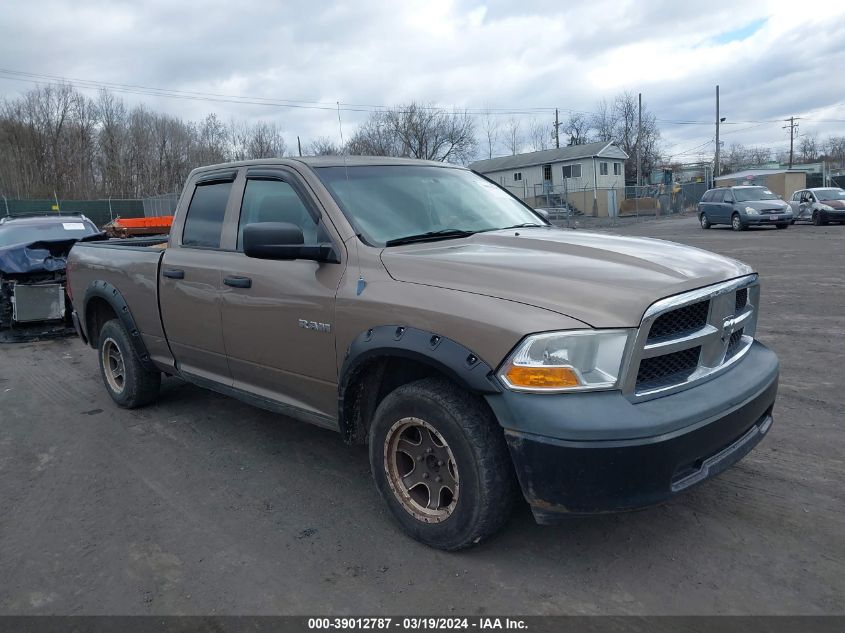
[602, 280]
[762, 205]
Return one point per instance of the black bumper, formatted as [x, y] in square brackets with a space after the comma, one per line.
[590, 476]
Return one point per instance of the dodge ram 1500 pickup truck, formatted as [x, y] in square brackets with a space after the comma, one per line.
[423, 310]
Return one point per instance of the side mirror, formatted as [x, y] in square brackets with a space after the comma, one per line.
[542, 213]
[282, 241]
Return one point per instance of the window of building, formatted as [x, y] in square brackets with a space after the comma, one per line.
[275, 201]
[602, 169]
[204, 221]
[572, 171]
[617, 169]
[547, 172]
[517, 175]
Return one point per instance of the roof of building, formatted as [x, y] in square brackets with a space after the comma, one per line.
[752, 173]
[573, 152]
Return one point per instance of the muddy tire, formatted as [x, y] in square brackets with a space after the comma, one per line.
[440, 462]
[129, 383]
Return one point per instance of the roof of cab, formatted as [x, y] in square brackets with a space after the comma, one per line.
[328, 161]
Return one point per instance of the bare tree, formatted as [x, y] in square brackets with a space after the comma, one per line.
[834, 148]
[603, 122]
[324, 146]
[539, 135]
[808, 148]
[490, 129]
[417, 131]
[576, 127]
[759, 155]
[513, 135]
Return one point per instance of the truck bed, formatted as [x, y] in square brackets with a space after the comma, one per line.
[131, 266]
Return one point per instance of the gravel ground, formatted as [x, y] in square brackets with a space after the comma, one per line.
[203, 505]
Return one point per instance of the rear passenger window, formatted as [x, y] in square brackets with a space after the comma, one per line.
[275, 201]
[204, 222]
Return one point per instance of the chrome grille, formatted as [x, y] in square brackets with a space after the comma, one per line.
[741, 298]
[681, 321]
[692, 336]
[668, 369]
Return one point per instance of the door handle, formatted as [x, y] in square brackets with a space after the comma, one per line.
[173, 273]
[238, 282]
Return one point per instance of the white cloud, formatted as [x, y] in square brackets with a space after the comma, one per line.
[467, 53]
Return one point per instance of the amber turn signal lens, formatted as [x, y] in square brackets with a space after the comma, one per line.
[543, 377]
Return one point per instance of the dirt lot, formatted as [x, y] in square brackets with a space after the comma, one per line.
[201, 504]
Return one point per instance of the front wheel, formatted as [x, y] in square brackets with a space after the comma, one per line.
[782, 226]
[705, 223]
[818, 219]
[736, 223]
[440, 462]
[128, 381]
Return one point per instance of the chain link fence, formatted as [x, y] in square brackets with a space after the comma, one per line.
[586, 207]
[163, 204]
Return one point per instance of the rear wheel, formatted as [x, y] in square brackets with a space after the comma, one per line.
[705, 223]
[736, 223]
[440, 462]
[128, 381]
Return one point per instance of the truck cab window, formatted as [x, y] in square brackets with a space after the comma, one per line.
[204, 221]
[275, 201]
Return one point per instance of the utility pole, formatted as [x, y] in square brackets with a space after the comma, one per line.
[557, 129]
[792, 127]
[718, 146]
[639, 132]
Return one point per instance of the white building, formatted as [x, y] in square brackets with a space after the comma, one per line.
[589, 177]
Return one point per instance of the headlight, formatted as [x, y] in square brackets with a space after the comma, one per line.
[751, 211]
[566, 361]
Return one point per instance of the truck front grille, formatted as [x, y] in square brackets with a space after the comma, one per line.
[681, 321]
[668, 369]
[692, 336]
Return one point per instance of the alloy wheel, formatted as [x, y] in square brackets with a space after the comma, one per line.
[421, 470]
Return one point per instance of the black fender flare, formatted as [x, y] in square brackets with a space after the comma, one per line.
[449, 357]
[106, 291]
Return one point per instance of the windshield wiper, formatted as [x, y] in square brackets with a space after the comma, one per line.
[524, 225]
[430, 236]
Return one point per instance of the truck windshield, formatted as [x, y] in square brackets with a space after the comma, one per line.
[747, 194]
[69, 229]
[394, 202]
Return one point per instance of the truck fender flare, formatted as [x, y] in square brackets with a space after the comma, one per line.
[106, 291]
[449, 357]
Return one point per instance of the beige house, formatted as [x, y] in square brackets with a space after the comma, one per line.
[783, 182]
[589, 177]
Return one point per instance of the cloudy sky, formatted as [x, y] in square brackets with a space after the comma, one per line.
[292, 61]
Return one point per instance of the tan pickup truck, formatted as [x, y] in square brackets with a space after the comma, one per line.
[421, 309]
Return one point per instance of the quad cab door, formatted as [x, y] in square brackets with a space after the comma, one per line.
[278, 316]
[189, 280]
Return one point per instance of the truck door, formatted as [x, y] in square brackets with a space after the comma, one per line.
[189, 282]
[278, 316]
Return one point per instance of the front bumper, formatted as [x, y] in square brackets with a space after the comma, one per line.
[837, 215]
[762, 220]
[593, 453]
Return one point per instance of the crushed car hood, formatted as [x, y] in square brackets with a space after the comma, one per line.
[600, 279]
[35, 257]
